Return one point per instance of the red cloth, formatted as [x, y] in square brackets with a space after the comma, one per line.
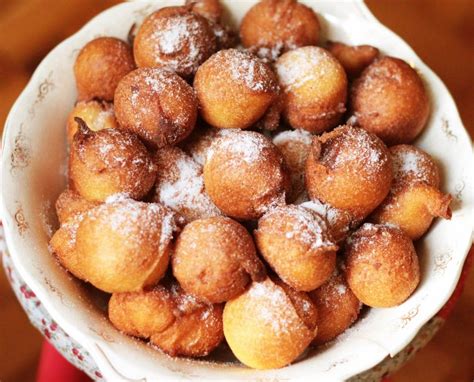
[53, 367]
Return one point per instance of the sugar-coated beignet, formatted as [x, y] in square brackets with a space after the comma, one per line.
[414, 199]
[269, 326]
[340, 222]
[350, 169]
[70, 204]
[390, 100]
[63, 245]
[338, 308]
[314, 88]
[381, 265]
[173, 320]
[109, 162]
[354, 59]
[100, 66]
[294, 145]
[175, 39]
[124, 246]
[210, 9]
[234, 89]
[272, 27]
[157, 105]
[98, 115]
[296, 243]
[215, 259]
[245, 174]
[180, 185]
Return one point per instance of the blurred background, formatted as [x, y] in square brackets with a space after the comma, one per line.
[440, 31]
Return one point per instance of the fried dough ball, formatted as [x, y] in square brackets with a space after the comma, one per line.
[98, 115]
[294, 145]
[381, 265]
[340, 222]
[215, 259]
[210, 9]
[110, 162]
[70, 204]
[63, 245]
[338, 308]
[296, 243]
[100, 66]
[173, 320]
[350, 169]
[354, 59]
[245, 174]
[269, 325]
[415, 198]
[390, 100]
[176, 39]
[157, 105]
[272, 27]
[234, 89]
[314, 88]
[180, 185]
[124, 246]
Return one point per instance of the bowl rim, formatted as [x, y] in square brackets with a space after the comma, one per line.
[96, 352]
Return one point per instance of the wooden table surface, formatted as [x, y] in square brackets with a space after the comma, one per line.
[440, 31]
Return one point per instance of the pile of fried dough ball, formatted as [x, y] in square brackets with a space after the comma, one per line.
[258, 194]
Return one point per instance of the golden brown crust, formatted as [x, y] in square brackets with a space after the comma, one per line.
[124, 246]
[338, 308]
[390, 100]
[296, 243]
[272, 27]
[354, 59]
[234, 89]
[99, 67]
[176, 39]
[63, 245]
[263, 327]
[314, 87]
[171, 319]
[180, 185]
[70, 204]
[97, 115]
[381, 265]
[350, 169]
[414, 198]
[157, 105]
[110, 162]
[245, 174]
[215, 259]
[210, 9]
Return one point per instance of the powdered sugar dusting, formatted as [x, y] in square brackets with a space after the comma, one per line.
[180, 186]
[138, 221]
[179, 42]
[354, 148]
[304, 226]
[302, 66]
[410, 163]
[244, 146]
[247, 69]
[273, 305]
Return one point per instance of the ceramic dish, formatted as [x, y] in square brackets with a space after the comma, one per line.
[34, 163]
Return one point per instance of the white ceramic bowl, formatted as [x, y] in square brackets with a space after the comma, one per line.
[33, 167]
